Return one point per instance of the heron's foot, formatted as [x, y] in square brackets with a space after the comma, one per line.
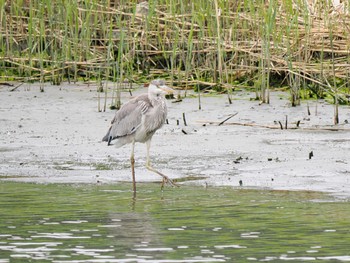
[168, 181]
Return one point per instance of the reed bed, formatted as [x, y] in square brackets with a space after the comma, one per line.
[222, 45]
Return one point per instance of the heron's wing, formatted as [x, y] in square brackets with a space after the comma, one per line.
[128, 118]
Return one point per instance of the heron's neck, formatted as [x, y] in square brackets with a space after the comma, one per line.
[156, 100]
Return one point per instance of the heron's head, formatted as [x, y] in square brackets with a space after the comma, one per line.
[158, 87]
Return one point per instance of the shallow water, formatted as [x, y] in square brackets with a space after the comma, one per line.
[103, 223]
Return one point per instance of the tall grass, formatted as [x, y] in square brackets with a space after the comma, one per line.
[200, 44]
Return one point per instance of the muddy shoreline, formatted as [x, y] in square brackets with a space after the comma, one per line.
[55, 137]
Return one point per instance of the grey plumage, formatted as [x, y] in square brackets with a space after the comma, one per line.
[138, 120]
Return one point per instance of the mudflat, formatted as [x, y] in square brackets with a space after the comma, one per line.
[55, 137]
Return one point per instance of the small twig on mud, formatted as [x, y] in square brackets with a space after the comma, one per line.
[311, 154]
[184, 118]
[280, 125]
[314, 128]
[232, 115]
[6, 84]
[240, 124]
[130, 88]
[14, 88]
[286, 124]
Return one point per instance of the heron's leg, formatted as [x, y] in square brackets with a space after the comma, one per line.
[148, 146]
[132, 160]
[166, 179]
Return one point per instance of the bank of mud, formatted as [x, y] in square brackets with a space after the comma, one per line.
[55, 137]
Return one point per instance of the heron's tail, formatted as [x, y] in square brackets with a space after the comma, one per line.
[108, 137]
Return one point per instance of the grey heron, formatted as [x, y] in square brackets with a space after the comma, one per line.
[138, 120]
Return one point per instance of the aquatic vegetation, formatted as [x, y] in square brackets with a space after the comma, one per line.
[222, 44]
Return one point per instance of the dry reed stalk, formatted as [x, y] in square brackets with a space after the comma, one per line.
[83, 38]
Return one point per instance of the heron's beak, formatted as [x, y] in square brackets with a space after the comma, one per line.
[166, 89]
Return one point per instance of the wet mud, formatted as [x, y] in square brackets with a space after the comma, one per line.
[55, 137]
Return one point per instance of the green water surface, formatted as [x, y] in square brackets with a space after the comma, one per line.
[104, 223]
